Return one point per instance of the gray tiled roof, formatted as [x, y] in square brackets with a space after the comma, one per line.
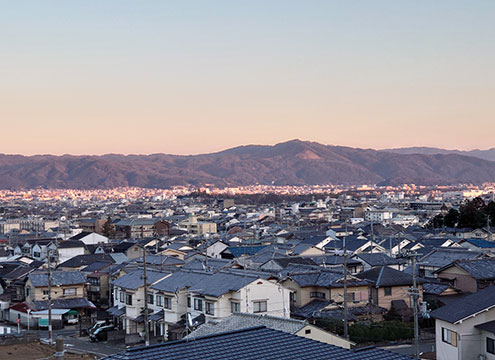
[58, 278]
[444, 256]
[241, 321]
[134, 279]
[255, 344]
[480, 269]
[385, 276]
[74, 303]
[466, 306]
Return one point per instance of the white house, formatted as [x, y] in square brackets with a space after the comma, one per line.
[215, 296]
[465, 329]
[90, 238]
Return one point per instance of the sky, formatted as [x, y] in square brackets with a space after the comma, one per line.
[188, 77]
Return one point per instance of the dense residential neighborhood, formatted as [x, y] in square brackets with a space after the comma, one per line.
[343, 272]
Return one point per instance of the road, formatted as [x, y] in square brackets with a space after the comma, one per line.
[82, 344]
[409, 349]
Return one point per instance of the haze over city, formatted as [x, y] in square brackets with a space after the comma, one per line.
[196, 77]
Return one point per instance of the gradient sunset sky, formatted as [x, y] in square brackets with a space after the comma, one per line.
[186, 77]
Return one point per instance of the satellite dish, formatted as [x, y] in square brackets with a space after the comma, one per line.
[63, 218]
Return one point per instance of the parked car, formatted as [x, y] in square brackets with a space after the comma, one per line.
[97, 325]
[101, 333]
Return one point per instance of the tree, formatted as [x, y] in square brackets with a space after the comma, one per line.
[452, 218]
[472, 214]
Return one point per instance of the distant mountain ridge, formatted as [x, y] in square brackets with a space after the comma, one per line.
[488, 154]
[293, 162]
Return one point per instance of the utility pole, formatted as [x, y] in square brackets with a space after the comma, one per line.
[346, 317]
[415, 294]
[50, 330]
[146, 327]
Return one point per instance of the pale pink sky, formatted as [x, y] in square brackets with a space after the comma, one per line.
[190, 77]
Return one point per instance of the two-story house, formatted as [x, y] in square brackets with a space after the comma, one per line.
[206, 296]
[465, 329]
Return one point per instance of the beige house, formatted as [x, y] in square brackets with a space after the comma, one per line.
[325, 285]
[390, 285]
[64, 285]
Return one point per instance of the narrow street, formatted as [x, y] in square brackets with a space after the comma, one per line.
[73, 342]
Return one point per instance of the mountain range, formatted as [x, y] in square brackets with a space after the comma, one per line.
[289, 163]
[488, 154]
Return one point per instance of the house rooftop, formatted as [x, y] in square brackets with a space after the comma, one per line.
[466, 306]
[252, 343]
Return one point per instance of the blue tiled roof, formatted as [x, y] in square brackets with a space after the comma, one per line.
[237, 251]
[481, 243]
[255, 344]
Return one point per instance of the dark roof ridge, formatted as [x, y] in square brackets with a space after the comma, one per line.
[197, 338]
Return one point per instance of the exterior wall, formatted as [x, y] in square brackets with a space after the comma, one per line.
[361, 295]
[470, 341]
[314, 333]
[303, 294]
[57, 292]
[68, 253]
[215, 250]
[398, 293]
[94, 238]
[459, 279]
[134, 252]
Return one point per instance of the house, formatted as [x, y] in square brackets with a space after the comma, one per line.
[464, 328]
[212, 296]
[372, 260]
[130, 249]
[389, 285]
[90, 238]
[79, 262]
[64, 285]
[255, 343]
[478, 245]
[92, 225]
[69, 249]
[440, 257]
[469, 275]
[140, 228]
[193, 226]
[239, 321]
[128, 298]
[324, 284]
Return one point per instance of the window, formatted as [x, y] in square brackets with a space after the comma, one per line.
[188, 302]
[210, 308]
[116, 294]
[387, 290]
[259, 306]
[46, 292]
[490, 345]
[94, 281]
[128, 299]
[122, 297]
[351, 296]
[235, 307]
[150, 299]
[317, 294]
[28, 291]
[167, 303]
[159, 300]
[198, 304]
[70, 291]
[449, 337]
[307, 331]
